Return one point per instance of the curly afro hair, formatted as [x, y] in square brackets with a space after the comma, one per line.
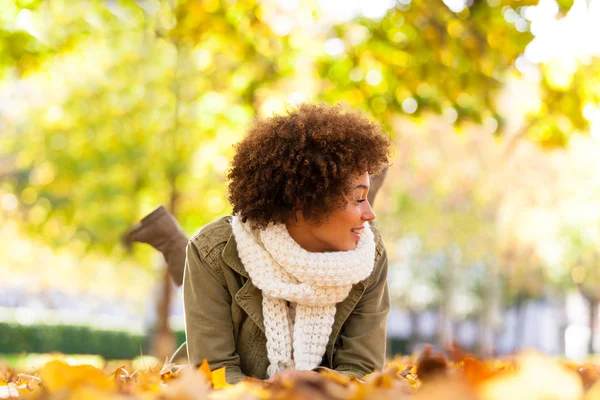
[304, 160]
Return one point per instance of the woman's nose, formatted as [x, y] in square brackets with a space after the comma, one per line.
[368, 213]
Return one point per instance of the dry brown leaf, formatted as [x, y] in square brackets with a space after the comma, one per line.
[475, 371]
[431, 365]
[530, 376]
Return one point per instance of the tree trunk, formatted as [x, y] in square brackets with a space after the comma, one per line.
[490, 307]
[414, 337]
[446, 327]
[164, 343]
[563, 323]
[520, 320]
[593, 322]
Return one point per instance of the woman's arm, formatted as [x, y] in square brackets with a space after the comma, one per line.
[208, 323]
[363, 337]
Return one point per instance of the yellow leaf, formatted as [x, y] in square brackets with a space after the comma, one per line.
[538, 377]
[218, 378]
[475, 371]
[205, 368]
[90, 393]
[336, 377]
[413, 381]
[58, 375]
[594, 392]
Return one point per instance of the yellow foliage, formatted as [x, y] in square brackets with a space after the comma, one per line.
[58, 375]
[537, 377]
[218, 379]
[464, 377]
[205, 369]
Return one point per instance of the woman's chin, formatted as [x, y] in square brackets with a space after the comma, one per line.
[349, 246]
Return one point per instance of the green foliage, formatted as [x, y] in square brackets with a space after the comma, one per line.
[581, 259]
[398, 346]
[423, 59]
[153, 100]
[565, 5]
[565, 94]
[126, 105]
[70, 339]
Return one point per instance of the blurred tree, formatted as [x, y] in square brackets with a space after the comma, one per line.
[21, 49]
[445, 194]
[148, 96]
[122, 105]
[421, 59]
[141, 110]
[523, 280]
[566, 94]
[456, 192]
[582, 261]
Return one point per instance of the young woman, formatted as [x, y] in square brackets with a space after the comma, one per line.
[296, 279]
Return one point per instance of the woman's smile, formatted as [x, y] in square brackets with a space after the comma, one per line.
[356, 232]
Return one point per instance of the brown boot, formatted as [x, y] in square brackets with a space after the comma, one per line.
[161, 230]
[376, 183]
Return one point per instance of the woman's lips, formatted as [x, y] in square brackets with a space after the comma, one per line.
[356, 232]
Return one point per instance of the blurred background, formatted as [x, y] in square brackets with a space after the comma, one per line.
[490, 210]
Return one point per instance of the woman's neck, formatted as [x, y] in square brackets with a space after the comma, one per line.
[301, 233]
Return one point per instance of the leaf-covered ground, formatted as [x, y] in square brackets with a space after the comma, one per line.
[427, 376]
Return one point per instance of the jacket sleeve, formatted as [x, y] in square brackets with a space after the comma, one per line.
[208, 322]
[363, 338]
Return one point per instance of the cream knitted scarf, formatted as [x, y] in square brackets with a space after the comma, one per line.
[313, 283]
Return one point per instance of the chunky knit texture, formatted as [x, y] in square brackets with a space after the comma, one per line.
[313, 283]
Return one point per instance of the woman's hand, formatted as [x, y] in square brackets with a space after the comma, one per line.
[295, 375]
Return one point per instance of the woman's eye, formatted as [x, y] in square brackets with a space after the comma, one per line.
[361, 200]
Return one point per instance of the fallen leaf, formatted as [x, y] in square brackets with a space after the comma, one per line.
[205, 368]
[58, 375]
[218, 379]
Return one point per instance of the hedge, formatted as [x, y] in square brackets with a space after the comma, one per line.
[69, 339]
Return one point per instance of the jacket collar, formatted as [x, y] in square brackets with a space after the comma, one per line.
[232, 258]
[249, 297]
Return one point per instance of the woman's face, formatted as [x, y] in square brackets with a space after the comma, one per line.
[343, 228]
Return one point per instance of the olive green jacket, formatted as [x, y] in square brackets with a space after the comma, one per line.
[224, 320]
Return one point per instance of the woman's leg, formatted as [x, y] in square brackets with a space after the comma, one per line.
[376, 183]
[161, 230]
